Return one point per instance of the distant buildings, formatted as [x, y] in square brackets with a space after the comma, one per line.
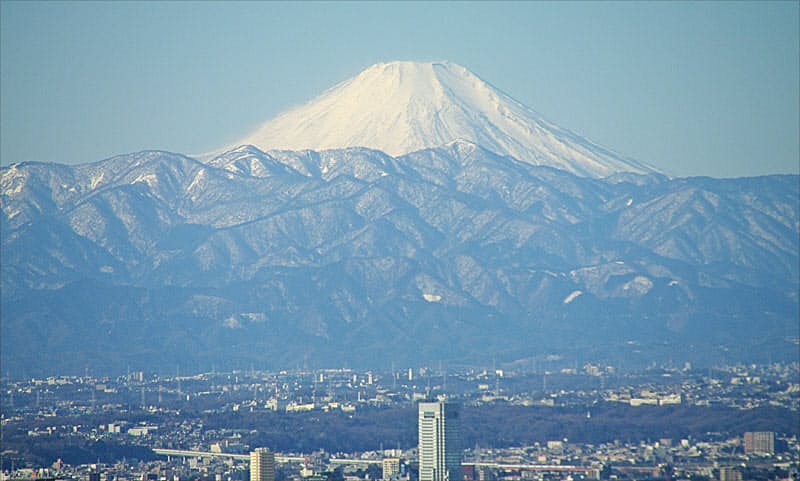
[391, 468]
[262, 465]
[759, 442]
[439, 442]
[729, 474]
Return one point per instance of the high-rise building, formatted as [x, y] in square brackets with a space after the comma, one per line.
[439, 442]
[262, 465]
[759, 442]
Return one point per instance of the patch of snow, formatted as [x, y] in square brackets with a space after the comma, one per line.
[640, 285]
[149, 179]
[198, 178]
[96, 180]
[571, 297]
[232, 323]
[16, 190]
[257, 317]
[431, 297]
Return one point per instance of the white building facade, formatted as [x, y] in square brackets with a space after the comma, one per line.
[262, 465]
[439, 441]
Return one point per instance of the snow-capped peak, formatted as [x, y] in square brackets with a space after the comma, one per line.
[400, 107]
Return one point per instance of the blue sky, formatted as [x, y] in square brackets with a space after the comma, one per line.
[696, 88]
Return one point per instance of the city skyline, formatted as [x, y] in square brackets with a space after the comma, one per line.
[731, 423]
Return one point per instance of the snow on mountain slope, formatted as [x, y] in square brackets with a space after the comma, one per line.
[344, 252]
[401, 107]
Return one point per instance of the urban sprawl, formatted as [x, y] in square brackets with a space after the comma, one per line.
[428, 424]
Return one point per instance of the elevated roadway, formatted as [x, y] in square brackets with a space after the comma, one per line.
[302, 459]
[206, 454]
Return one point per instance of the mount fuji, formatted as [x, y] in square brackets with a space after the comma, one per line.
[401, 107]
[412, 214]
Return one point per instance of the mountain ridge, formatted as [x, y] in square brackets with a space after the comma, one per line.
[349, 255]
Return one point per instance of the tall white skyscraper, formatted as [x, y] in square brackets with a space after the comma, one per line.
[439, 442]
[262, 465]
